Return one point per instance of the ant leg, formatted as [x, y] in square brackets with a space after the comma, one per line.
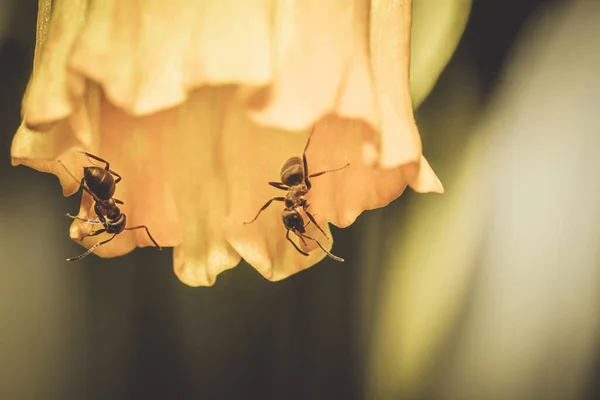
[279, 185]
[287, 236]
[336, 258]
[81, 183]
[306, 181]
[91, 249]
[106, 167]
[101, 217]
[309, 136]
[117, 175]
[89, 221]
[118, 201]
[312, 219]
[300, 237]
[148, 232]
[267, 204]
[94, 233]
[331, 170]
[303, 241]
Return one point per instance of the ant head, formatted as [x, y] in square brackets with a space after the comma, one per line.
[292, 172]
[113, 213]
[117, 225]
[293, 220]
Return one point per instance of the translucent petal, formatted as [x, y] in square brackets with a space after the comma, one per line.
[54, 92]
[390, 60]
[336, 197]
[148, 55]
[320, 59]
[122, 81]
[199, 166]
[341, 196]
[254, 156]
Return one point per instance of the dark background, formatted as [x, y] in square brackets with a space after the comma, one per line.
[127, 328]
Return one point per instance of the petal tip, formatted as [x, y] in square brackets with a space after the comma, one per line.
[195, 270]
[190, 272]
[189, 275]
[422, 177]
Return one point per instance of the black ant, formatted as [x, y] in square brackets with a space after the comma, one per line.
[100, 183]
[294, 180]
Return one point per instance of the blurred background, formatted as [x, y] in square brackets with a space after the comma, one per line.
[490, 291]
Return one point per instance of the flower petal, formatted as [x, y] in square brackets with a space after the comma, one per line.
[38, 150]
[54, 91]
[341, 196]
[148, 55]
[59, 139]
[390, 60]
[199, 165]
[336, 197]
[425, 180]
[57, 118]
[134, 147]
[320, 57]
[139, 66]
[254, 155]
[322, 69]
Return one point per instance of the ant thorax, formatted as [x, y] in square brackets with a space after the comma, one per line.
[299, 190]
[294, 196]
[109, 209]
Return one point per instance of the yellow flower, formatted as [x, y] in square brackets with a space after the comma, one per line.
[198, 104]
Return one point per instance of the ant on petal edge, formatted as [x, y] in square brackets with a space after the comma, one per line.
[100, 183]
[295, 180]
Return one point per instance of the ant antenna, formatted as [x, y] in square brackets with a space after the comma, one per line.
[336, 258]
[88, 156]
[87, 253]
[90, 250]
[69, 172]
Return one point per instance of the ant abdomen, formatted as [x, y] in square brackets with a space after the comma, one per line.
[292, 172]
